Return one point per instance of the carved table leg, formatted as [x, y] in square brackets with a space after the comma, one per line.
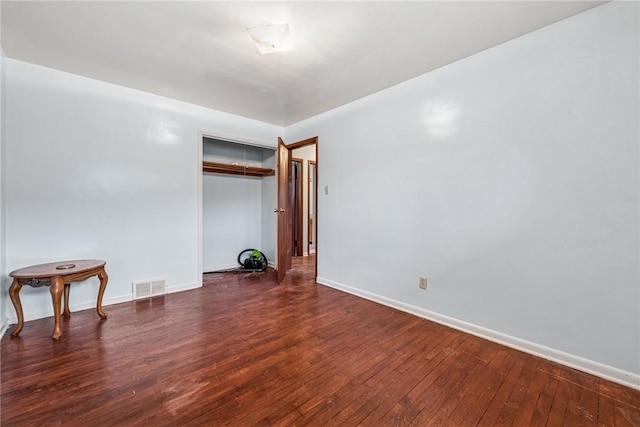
[14, 293]
[57, 285]
[102, 275]
[67, 312]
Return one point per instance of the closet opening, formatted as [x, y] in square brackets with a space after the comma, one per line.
[238, 194]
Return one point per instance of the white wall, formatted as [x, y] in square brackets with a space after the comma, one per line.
[101, 171]
[3, 280]
[232, 205]
[509, 179]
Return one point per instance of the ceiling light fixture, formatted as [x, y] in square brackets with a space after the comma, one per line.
[272, 39]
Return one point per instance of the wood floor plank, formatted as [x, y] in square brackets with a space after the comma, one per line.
[480, 391]
[513, 406]
[243, 350]
[626, 415]
[473, 361]
[559, 405]
[501, 396]
[408, 375]
[606, 411]
[545, 396]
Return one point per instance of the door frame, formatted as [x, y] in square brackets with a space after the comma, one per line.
[291, 147]
[315, 202]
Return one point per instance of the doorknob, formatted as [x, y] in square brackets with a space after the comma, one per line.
[276, 210]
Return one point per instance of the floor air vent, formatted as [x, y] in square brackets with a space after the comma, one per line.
[149, 288]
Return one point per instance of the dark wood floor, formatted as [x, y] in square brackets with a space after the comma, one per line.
[244, 351]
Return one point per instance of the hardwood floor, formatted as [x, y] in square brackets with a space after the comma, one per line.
[245, 351]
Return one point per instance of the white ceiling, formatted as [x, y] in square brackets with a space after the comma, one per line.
[200, 52]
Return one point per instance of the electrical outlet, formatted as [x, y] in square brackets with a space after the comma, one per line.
[423, 282]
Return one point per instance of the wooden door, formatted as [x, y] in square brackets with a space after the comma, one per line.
[283, 211]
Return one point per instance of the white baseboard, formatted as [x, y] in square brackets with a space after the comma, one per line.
[105, 302]
[220, 268]
[184, 287]
[73, 307]
[610, 373]
[92, 304]
[4, 325]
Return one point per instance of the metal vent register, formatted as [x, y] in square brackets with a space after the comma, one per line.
[149, 288]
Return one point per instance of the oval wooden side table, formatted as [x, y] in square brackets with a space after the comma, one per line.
[57, 275]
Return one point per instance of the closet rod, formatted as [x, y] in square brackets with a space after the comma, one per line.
[214, 167]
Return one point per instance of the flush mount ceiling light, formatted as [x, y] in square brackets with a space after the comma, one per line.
[272, 39]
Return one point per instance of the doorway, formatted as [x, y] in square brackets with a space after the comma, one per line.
[296, 193]
[304, 160]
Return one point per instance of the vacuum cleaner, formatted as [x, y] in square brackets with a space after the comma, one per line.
[252, 260]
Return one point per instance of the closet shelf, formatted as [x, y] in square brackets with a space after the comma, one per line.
[213, 167]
